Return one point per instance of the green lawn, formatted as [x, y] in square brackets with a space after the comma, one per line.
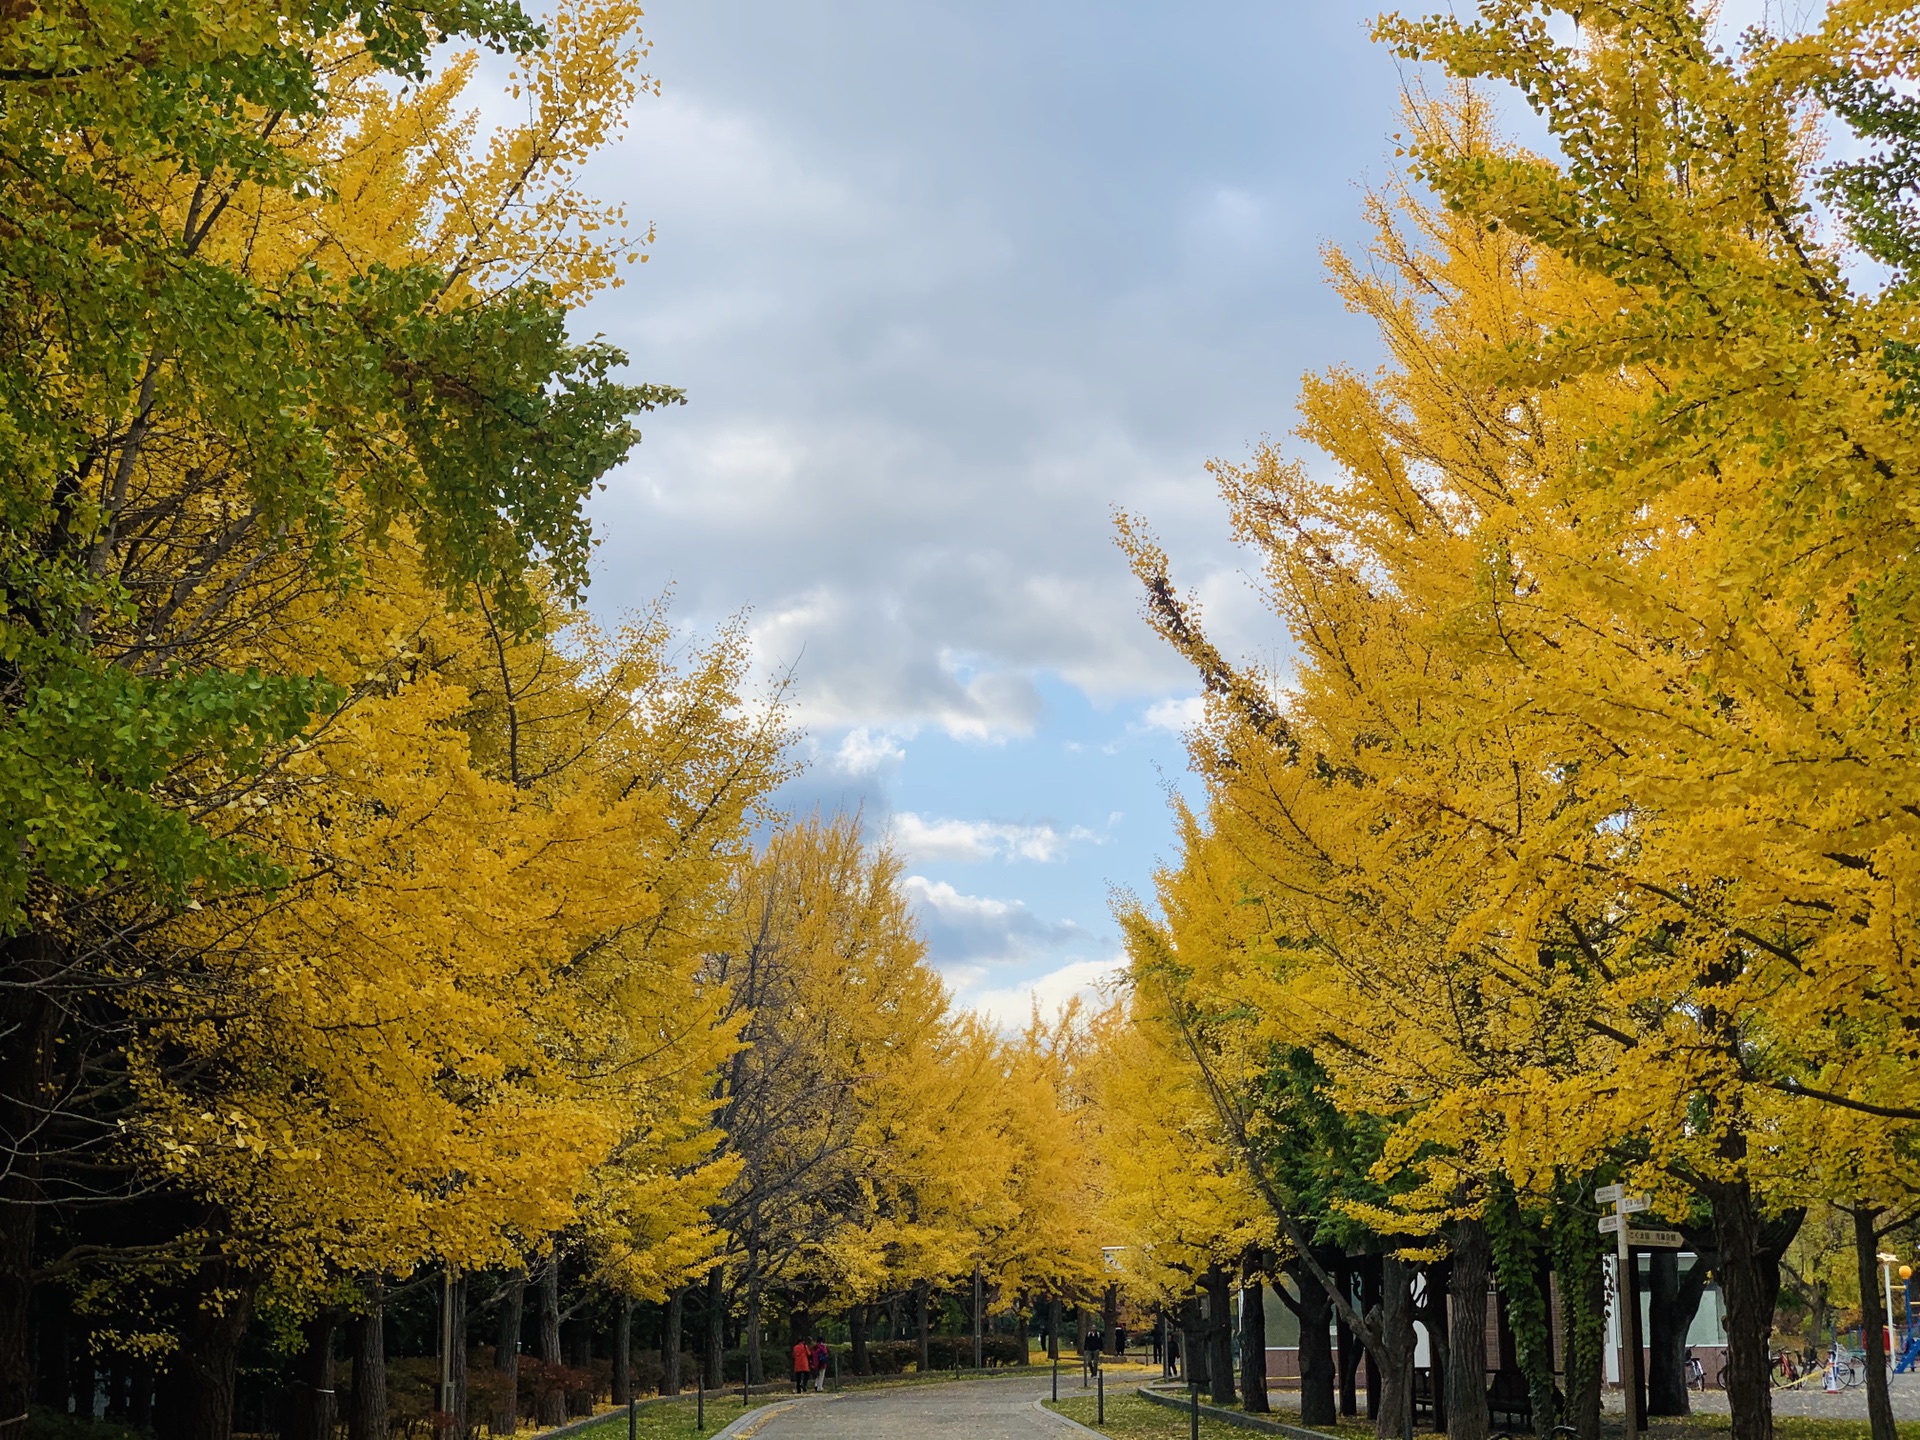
[672, 1421]
[1128, 1415]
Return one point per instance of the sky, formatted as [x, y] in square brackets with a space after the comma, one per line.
[947, 285]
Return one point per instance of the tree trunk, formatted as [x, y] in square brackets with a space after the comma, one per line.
[1318, 1404]
[1673, 1300]
[751, 1338]
[1749, 1283]
[551, 1409]
[1349, 1352]
[622, 1349]
[716, 1329]
[1439, 1339]
[200, 1373]
[458, 1329]
[1219, 1333]
[1576, 1260]
[1395, 1414]
[1873, 1322]
[1110, 1320]
[368, 1418]
[857, 1334]
[505, 1419]
[29, 1022]
[1369, 1306]
[1194, 1349]
[670, 1341]
[1253, 1335]
[1023, 1335]
[1467, 1332]
[311, 1413]
[1053, 1327]
[920, 1319]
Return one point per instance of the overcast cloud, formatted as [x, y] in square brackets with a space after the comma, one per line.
[946, 284]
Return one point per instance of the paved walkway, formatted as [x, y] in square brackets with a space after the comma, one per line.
[961, 1410]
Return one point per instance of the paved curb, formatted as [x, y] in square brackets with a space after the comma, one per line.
[749, 1423]
[1235, 1417]
[1074, 1425]
[573, 1427]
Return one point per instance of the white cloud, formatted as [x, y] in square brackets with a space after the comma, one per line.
[863, 752]
[949, 903]
[977, 933]
[1176, 713]
[1010, 1006]
[975, 840]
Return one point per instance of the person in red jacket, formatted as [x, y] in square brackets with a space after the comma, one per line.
[818, 1357]
[802, 1364]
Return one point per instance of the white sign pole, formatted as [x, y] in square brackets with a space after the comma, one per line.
[1624, 1205]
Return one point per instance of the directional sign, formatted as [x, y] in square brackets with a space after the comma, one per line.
[1634, 1204]
[1607, 1194]
[1657, 1239]
[1649, 1239]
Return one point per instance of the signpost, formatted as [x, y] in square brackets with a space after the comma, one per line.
[1616, 1224]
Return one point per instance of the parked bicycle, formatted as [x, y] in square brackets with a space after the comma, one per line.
[1786, 1370]
[1847, 1368]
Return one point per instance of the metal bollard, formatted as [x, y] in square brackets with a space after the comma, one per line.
[1194, 1392]
[1056, 1377]
[700, 1402]
[1100, 1391]
[633, 1418]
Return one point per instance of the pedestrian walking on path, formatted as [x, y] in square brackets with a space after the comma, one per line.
[802, 1365]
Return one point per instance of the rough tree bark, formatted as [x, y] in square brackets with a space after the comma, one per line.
[1747, 1266]
[551, 1408]
[1219, 1290]
[716, 1328]
[367, 1420]
[505, 1419]
[1673, 1299]
[920, 1319]
[622, 1349]
[198, 1392]
[1318, 1403]
[1194, 1350]
[857, 1335]
[1873, 1321]
[311, 1413]
[670, 1341]
[459, 1356]
[1467, 1331]
[1439, 1318]
[1253, 1335]
[28, 1022]
[1395, 1413]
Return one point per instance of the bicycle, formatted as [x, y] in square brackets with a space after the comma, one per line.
[1785, 1371]
[1847, 1369]
[1696, 1373]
